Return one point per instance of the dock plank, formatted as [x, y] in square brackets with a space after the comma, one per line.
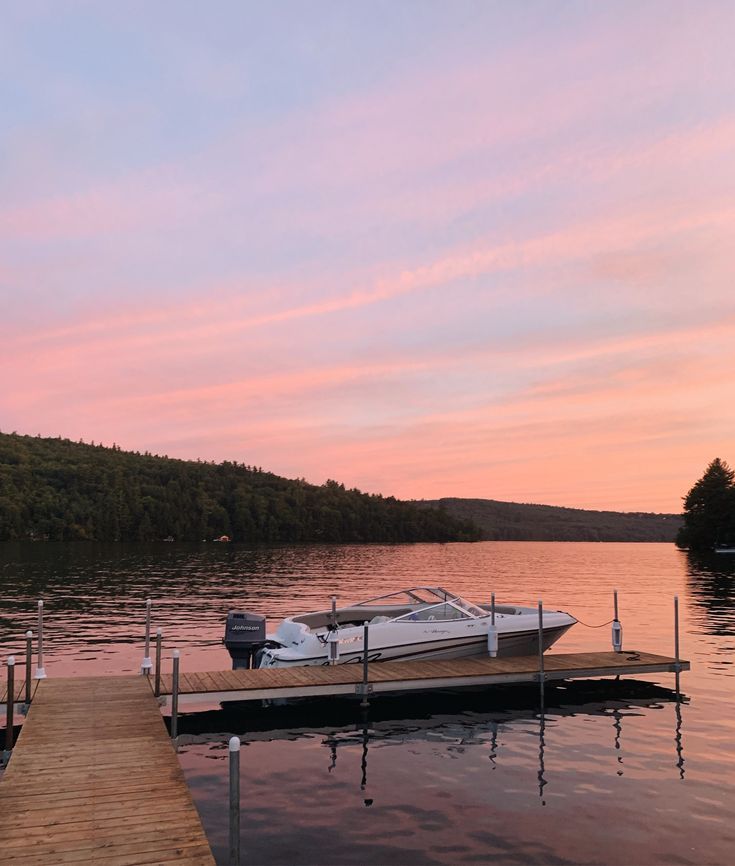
[116, 796]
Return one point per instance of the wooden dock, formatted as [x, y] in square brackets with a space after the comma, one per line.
[94, 779]
[345, 679]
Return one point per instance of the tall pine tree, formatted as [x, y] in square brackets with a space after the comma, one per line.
[709, 509]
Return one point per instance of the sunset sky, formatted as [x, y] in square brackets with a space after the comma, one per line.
[480, 249]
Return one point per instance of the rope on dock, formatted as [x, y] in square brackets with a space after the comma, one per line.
[601, 625]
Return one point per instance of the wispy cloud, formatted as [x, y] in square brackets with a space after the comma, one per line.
[498, 268]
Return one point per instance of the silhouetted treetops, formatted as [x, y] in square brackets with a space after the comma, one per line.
[55, 489]
[709, 510]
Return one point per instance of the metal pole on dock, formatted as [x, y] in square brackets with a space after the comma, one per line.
[617, 629]
[146, 664]
[159, 636]
[492, 631]
[10, 705]
[333, 648]
[175, 697]
[40, 670]
[334, 612]
[29, 663]
[234, 801]
[541, 646]
[364, 703]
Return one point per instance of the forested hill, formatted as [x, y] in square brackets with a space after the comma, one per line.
[511, 521]
[55, 489]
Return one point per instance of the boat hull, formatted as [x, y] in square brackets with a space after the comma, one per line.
[465, 646]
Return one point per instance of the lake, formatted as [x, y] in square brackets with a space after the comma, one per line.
[612, 772]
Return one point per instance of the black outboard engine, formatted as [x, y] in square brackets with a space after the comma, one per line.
[244, 636]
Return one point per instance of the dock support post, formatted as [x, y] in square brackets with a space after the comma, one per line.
[492, 631]
[29, 663]
[541, 675]
[146, 664]
[157, 689]
[234, 801]
[10, 705]
[365, 703]
[333, 648]
[175, 697]
[677, 665]
[617, 629]
[40, 670]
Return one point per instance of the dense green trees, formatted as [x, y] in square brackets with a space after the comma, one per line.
[514, 521]
[709, 510]
[55, 489]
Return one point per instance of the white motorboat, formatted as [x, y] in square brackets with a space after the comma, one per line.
[418, 623]
[725, 548]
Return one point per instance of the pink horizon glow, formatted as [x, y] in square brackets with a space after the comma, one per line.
[501, 269]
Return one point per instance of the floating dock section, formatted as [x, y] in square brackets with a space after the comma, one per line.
[346, 679]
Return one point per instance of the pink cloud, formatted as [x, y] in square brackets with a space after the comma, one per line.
[610, 242]
[603, 374]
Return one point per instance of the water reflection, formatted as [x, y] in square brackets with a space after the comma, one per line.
[711, 585]
[618, 727]
[599, 758]
[541, 746]
[678, 737]
[94, 593]
[467, 719]
[364, 754]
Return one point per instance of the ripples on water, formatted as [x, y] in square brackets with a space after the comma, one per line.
[612, 772]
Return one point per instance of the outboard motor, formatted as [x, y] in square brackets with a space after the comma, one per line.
[244, 636]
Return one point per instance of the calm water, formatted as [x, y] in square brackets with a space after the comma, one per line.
[613, 772]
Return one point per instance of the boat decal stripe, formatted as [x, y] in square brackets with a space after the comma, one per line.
[436, 645]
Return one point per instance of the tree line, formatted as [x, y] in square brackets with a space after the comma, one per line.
[709, 510]
[59, 490]
[515, 521]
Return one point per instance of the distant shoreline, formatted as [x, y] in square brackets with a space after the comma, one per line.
[514, 521]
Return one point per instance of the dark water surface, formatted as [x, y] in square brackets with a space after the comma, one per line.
[612, 772]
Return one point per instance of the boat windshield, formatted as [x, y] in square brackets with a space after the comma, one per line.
[429, 598]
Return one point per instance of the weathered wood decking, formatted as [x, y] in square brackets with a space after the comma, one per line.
[93, 779]
[401, 676]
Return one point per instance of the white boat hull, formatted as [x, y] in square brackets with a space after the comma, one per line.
[465, 646]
